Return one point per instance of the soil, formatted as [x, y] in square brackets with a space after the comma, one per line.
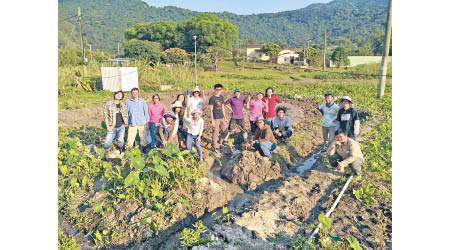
[269, 202]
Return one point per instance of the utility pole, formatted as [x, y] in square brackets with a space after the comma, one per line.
[324, 48]
[384, 61]
[195, 60]
[90, 50]
[118, 49]
[81, 32]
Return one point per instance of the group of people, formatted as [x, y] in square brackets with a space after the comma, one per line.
[269, 124]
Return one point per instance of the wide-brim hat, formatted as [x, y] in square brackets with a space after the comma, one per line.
[170, 114]
[196, 111]
[177, 104]
[196, 89]
[346, 98]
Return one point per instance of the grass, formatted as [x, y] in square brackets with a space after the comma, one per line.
[253, 78]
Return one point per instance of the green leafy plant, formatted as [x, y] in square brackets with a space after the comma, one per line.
[354, 244]
[192, 237]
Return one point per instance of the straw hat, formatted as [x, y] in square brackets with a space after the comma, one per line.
[177, 104]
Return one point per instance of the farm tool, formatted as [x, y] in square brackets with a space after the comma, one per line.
[84, 85]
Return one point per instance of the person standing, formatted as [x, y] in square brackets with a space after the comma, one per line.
[329, 111]
[345, 152]
[177, 108]
[282, 125]
[271, 101]
[115, 114]
[194, 125]
[138, 119]
[237, 116]
[155, 112]
[218, 117]
[263, 140]
[347, 118]
[195, 102]
[256, 106]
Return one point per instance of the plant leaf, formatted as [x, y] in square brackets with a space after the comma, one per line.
[335, 238]
[138, 162]
[353, 242]
[131, 179]
[326, 222]
[63, 170]
[161, 170]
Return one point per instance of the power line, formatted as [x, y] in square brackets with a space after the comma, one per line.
[67, 18]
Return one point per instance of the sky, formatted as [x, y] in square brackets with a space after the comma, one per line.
[243, 7]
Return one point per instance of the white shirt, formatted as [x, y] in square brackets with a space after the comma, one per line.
[329, 115]
[196, 103]
[194, 127]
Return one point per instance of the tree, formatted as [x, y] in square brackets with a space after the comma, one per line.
[340, 57]
[144, 50]
[174, 55]
[210, 31]
[271, 49]
[215, 54]
[376, 42]
[315, 57]
[163, 32]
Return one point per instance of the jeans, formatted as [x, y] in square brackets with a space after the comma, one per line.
[285, 133]
[152, 138]
[189, 140]
[118, 133]
[265, 148]
[253, 127]
[183, 132]
[355, 166]
[269, 120]
[328, 135]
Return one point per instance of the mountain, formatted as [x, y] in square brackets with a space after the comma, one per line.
[104, 21]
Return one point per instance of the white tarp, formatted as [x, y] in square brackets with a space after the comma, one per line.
[110, 78]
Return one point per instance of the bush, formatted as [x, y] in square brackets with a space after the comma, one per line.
[174, 55]
[143, 50]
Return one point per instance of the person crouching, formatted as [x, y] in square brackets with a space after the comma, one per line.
[194, 125]
[345, 152]
[282, 126]
[164, 132]
[263, 140]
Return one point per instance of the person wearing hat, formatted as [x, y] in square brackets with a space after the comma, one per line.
[115, 115]
[329, 111]
[164, 131]
[256, 106]
[194, 125]
[282, 125]
[263, 140]
[345, 152]
[155, 111]
[237, 107]
[177, 107]
[195, 102]
[347, 118]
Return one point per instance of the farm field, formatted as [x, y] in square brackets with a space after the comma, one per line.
[169, 200]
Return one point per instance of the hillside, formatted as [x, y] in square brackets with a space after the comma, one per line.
[104, 21]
